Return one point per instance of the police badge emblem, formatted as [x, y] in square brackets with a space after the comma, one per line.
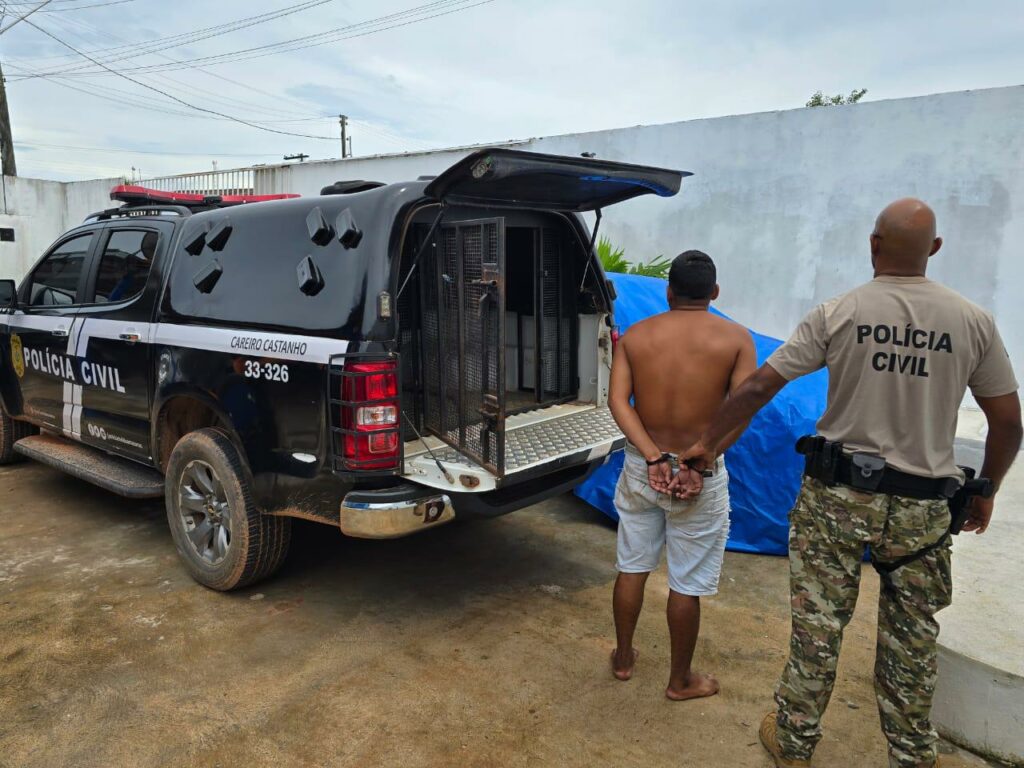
[17, 355]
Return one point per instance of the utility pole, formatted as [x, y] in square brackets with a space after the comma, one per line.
[9, 167]
[345, 145]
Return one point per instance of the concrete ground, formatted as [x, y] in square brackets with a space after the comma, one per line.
[478, 644]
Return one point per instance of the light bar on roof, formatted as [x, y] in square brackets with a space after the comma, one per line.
[131, 194]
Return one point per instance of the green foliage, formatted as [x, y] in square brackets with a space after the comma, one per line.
[657, 268]
[614, 260]
[821, 100]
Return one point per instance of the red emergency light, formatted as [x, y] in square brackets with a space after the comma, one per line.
[131, 194]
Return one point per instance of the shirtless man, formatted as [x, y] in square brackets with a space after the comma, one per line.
[678, 367]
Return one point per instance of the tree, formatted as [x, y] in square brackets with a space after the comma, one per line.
[821, 100]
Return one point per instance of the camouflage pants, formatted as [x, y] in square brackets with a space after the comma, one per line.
[829, 528]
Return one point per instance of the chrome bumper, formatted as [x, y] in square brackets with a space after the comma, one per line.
[391, 520]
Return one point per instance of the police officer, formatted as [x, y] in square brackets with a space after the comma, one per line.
[901, 352]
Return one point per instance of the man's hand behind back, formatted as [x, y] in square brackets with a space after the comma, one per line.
[684, 484]
[659, 476]
[698, 457]
[687, 483]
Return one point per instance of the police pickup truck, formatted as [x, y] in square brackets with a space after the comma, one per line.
[380, 358]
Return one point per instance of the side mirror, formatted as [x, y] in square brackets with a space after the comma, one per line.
[8, 294]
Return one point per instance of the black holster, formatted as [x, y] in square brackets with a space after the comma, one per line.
[960, 503]
[821, 457]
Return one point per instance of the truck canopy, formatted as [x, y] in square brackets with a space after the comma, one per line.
[509, 178]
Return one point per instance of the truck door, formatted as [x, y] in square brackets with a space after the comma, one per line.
[43, 333]
[464, 361]
[114, 341]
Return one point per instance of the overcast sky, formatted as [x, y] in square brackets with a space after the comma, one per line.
[483, 71]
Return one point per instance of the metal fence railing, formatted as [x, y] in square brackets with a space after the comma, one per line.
[238, 181]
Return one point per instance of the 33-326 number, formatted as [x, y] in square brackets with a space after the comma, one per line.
[254, 369]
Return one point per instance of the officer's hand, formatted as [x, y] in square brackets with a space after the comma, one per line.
[980, 515]
[698, 457]
[659, 476]
[687, 484]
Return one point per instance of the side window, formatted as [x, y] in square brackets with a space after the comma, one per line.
[55, 281]
[125, 264]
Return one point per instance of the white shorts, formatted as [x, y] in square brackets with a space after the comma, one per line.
[694, 530]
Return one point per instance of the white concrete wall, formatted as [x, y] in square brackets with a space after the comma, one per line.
[35, 209]
[784, 201]
[39, 211]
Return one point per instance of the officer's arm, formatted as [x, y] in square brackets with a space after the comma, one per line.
[752, 396]
[1004, 435]
[746, 366]
[1001, 447]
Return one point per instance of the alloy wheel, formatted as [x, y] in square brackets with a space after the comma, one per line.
[204, 511]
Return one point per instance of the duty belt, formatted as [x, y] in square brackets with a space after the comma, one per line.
[828, 463]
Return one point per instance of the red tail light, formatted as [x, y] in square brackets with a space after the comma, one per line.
[370, 415]
[615, 337]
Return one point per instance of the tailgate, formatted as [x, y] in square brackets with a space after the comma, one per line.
[536, 443]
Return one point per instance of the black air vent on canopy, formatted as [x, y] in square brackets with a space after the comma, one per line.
[350, 187]
[218, 236]
[311, 281]
[196, 244]
[349, 235]
[206, 278]
[320, 231]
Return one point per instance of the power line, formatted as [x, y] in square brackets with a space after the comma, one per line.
[133, 100]
[175, 98]
[195, 35]
[25, 15]
[85, 7]
[15, 6]
[351, 31]
[69, 4]
[140, 101]
[128, 99]
[190, 87]
[38, 145]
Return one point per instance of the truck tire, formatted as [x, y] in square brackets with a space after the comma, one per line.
[224, 539]
[12, 431]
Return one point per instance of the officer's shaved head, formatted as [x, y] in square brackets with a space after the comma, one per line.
[904, 238]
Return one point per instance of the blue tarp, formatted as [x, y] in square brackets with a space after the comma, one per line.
[763, 467]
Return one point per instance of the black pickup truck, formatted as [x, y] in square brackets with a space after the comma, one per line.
[380, 358]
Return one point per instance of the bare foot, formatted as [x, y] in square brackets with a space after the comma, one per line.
[624, 671]
[698, 686]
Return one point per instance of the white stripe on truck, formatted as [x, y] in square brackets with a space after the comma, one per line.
[280, 346]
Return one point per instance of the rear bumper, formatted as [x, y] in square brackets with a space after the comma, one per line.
[393, 512]
[510, 498]
[410, 508]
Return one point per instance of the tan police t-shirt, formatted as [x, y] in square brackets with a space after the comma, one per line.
[901, 352]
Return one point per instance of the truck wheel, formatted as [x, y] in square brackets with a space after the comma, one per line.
[220, 533]
[11, 431]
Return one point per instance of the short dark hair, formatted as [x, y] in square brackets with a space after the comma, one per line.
[692, 275]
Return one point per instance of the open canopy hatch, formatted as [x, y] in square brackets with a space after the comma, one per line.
[507, 177]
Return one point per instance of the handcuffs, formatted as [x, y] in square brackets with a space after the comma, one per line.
[668, 457]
